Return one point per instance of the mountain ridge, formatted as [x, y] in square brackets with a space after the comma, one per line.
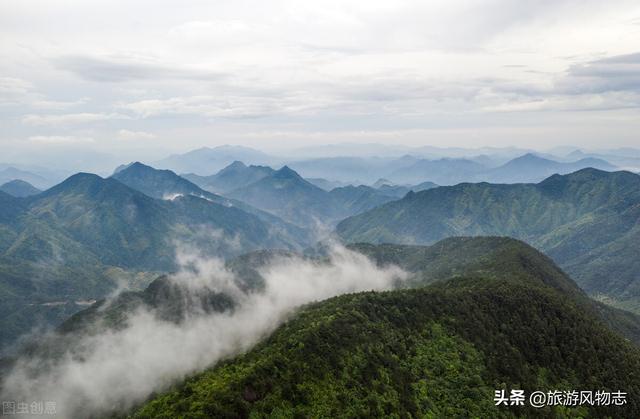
[568, 216]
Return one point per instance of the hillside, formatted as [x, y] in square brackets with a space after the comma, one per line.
[166, 185]
[77, 239]
[586, 221]
[19, 188]
[438, 351]
[286, 194]
[492, 257]
[357, 199]
[234, 176]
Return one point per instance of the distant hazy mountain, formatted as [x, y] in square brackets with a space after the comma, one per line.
[396, 191]
[531, 168]
[350, 169]
[286, 194]
[11, 173]
[421, 165]
[387, 187]
[524, 169]
[442, 171]
[423, 186]
[350, 149]
[234, 176]
[587, 221]
[627, 159]
[325, 184]
[19, 188]
[382, 182]
[207, 161]
[356, 199]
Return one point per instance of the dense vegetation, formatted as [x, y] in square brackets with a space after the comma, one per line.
[75, 240]
[440, 351]
[495, 314]
[587, 221]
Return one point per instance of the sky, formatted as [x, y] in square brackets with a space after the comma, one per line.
[147, 78]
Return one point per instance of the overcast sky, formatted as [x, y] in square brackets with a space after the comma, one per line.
[162, 76]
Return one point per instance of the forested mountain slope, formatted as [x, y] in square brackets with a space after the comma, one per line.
[587, 221]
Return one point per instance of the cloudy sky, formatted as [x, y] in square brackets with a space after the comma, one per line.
[157, 76]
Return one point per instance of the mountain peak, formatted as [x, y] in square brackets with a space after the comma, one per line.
[529, 157]
[236, 166]
[81, 177]
[136, 167]
[140, 169]
[80, 183]
[287, 173]
[19, 188]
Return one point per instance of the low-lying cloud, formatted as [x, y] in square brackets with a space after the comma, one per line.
[120, 368]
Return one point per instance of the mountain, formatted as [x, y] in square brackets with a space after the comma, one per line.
[504, 318]
[387, 187]
[357, 199]
[165, 184]
[160, 184]
[75, 241]
[586, 221]
[625, 158]
[531, 168]
[442, 171]
[382, 182]
[19, 188]
[325, 184]
[423, 186]
[234, 176]
[286, 194]
[396, 191]
[527, 168]
[11, 173]
[352, 170]
[206, 161]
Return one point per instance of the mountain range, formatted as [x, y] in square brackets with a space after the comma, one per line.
[412, 167]
[206, 161]
[587, 221]
[478, 314]
[286, 194]
[234, 176]
[475, 305]
[524, 169]
[74, 241]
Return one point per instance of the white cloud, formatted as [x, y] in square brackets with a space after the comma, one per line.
[128, 135]
[219, 106]
[70, 119]
[10, 86]
[150, 354]
[337, 64]
[60, 139]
